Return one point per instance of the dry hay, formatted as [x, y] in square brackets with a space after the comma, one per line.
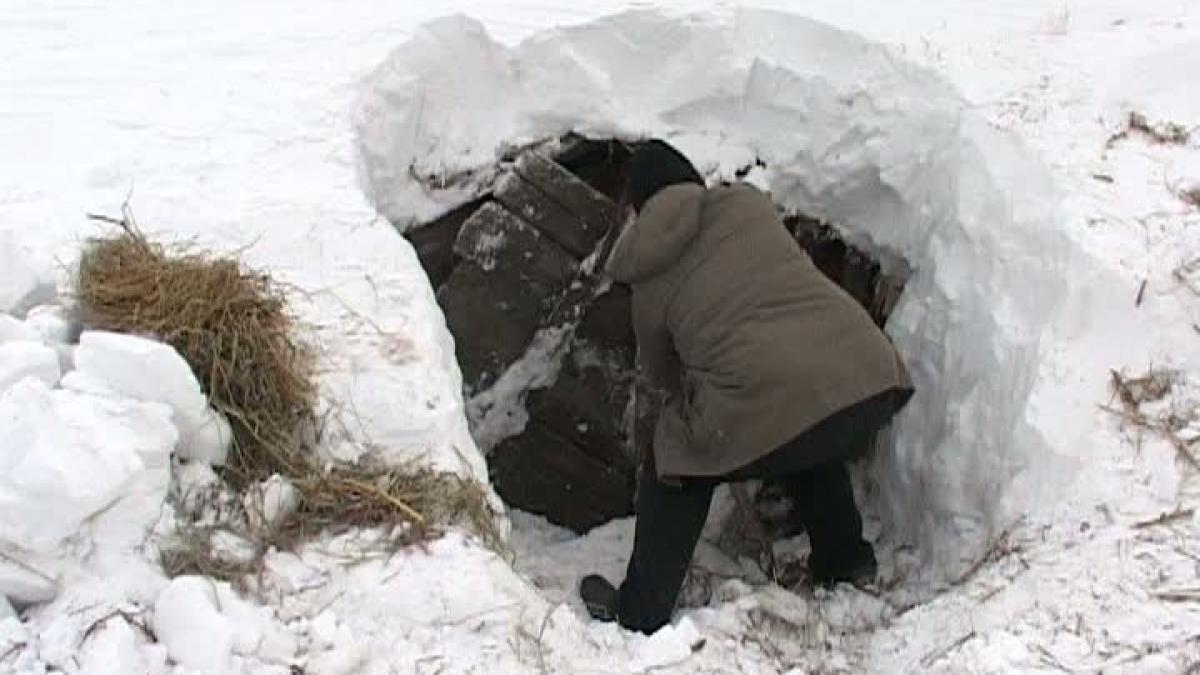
[1153, 387]
[233, 328]
[230, 324]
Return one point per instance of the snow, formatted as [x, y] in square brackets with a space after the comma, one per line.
[19, 360]
[887, 151]
[195, 632]
[52, 324]
[146, 370]
[272, 500]
[66, 456]
[986, 172]
[19, 282]
[13, 329]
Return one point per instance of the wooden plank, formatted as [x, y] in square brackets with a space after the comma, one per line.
[495, 239]
[594, 213]
[588, 402]
[434, 242]
[544, 213]
[543, 472]
[493, 317]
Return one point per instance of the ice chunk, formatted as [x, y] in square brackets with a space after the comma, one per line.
[13, 329]
[64, 456]
[188, 623]
[18, 281]
[19, 360]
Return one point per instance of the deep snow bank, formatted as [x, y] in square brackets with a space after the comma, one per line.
[848, 132]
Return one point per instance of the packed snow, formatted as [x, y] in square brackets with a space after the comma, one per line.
[984, 152]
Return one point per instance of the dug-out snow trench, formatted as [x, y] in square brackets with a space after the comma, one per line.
[846, 132]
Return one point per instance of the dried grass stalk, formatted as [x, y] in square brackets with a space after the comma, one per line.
[233, 328]
[230, 324]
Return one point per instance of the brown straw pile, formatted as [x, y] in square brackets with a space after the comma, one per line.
[233, 328]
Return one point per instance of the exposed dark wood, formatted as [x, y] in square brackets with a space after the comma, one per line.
[493, 317]
[542, 472]
[495, 239]
[594, 214]
[434, 242]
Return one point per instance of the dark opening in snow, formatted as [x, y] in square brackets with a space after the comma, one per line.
[513, 275]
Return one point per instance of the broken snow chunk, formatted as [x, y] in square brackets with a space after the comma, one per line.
[207, 440]
[6, 609]
[322, 630]
[13, 329]
[186, 620]
[19, 283]
[232, 547]
[115, 649]
[258, 632]
[270, 501]
[146, 370]
[141, 369]
[65, 456]
[19, 360]
[669, 646]
[51, 324]
[22, 583]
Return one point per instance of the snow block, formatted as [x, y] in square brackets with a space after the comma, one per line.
[208, 440]
[65, 456]
[52, 324]
[22, 583]
[19, 283]
[270, 501]
[141, 369]
[19, 360]
[13, 329]
[116, 649]
[195, 632]
[151, 371]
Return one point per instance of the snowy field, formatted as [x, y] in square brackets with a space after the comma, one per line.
[986, 149]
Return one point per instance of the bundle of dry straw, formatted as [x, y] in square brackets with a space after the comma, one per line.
[231, 325]
[233, 328]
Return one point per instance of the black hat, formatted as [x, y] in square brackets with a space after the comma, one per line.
[654, 166]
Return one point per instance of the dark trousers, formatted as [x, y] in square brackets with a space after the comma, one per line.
[671, 517]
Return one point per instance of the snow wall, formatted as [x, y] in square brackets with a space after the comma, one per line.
[848, 132]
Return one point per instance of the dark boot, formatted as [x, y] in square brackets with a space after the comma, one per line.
[600, 597]
[824, 499]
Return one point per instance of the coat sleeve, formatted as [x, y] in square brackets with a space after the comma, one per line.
[657, 359]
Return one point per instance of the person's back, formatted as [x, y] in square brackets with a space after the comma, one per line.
[767, 346]
[770, 370]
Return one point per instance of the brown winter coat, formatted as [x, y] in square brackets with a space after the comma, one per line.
[752, 344]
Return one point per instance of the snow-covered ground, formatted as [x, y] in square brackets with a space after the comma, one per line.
[978, 145]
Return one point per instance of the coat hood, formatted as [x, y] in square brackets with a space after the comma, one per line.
[662, 232]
